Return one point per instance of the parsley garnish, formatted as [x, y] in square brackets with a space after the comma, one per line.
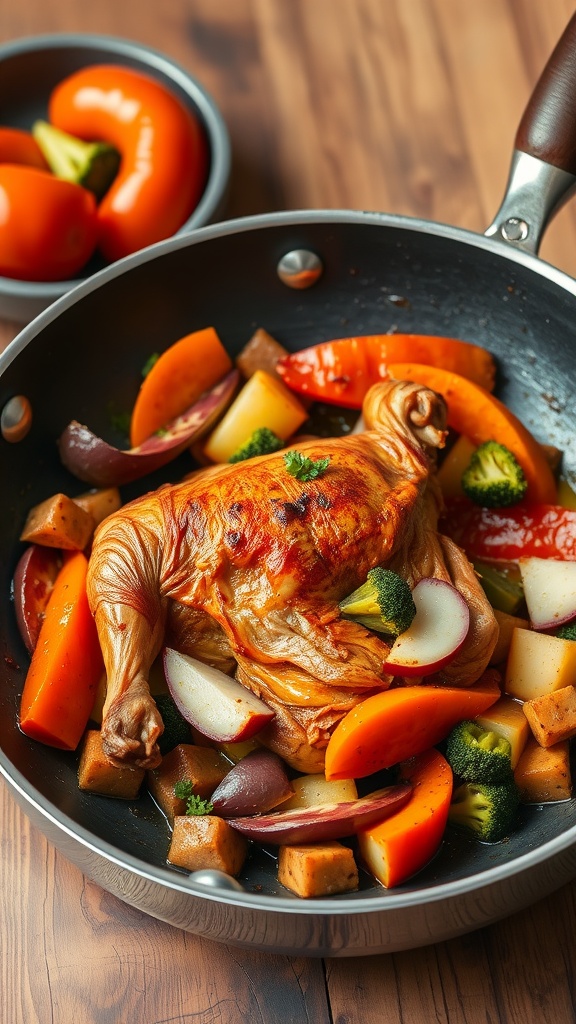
[194, 804]
[303, 468]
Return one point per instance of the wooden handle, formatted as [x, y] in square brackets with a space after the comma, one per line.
[548, 126]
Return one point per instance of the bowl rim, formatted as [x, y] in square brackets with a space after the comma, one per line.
[213, 121]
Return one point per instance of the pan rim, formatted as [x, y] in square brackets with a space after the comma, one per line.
[384, 900]
[508, 251]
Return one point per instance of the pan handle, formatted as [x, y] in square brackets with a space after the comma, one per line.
[543, 170]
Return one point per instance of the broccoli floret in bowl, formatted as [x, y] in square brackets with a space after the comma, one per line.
[478, 754]
[486, 809]
[493, 477]
[384, 602]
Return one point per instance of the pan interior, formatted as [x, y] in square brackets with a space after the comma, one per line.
[83, 361]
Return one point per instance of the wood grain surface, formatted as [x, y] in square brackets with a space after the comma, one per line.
[408, 106]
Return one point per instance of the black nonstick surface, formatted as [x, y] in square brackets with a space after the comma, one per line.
[82, 358]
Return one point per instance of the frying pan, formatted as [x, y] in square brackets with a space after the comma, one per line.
[81, 359]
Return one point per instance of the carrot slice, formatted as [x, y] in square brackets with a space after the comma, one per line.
[66, 664]
[341, 371]
[395, 849]
[177, 379]
[403, 722]
[477, 414]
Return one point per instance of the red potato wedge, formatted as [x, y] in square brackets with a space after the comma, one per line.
[34, 578]
[214, 703]
[93, 460]
[397, 848]
[401, 723]
[436, 634]
[324, 821]
[253, 786]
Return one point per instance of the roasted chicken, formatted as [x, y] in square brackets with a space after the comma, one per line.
[243, 566]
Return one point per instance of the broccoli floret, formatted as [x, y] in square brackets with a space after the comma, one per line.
[176, 728]
[94, 165]
[486, 809]
[262, 442]
[195, 805]
[477, 754]
[384, 602]
[567, 631]
[493, 478]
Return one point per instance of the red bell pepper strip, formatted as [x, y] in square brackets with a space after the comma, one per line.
[342, 371]
[505, 535]
[66, 665]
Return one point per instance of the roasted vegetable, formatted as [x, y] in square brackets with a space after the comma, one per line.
[486, 809]
[384, 602]
[262, 442]
[505, 535]
[502, 586]
[477, 754]
[494, 478]
[473, 411]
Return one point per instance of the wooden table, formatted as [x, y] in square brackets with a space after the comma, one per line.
[408, 106]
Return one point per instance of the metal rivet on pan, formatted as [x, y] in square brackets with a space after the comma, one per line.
[16, 419]
[213, 879]
[514, 229]
[300, 268]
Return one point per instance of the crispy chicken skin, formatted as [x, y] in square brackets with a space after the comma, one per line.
[244, 566]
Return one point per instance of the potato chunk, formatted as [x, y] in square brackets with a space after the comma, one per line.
[507, 718]
[98, 774]
[543, 773]
[552, 717]
[99, 502]
[316, 789]
[205, 841]
[204, 767]
[317, 869]
[538, 664]
[58, 522]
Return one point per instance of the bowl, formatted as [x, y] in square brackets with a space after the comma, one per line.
[91, 345]
[31, 67]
